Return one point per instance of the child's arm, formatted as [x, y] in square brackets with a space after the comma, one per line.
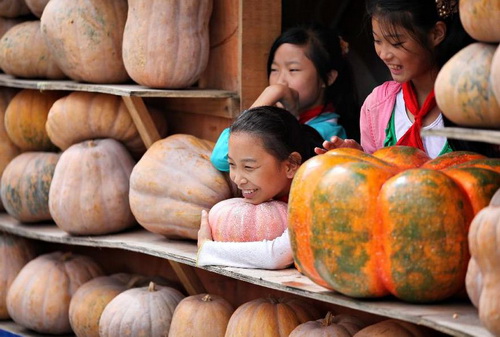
[267, 254]
[280, 95]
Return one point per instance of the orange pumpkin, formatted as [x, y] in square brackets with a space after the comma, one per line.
[487, 163]
[160, 49]
[78, 203]
[172, 182]
[480, 19]
[145, 311]
[483, 277]
[392, 328]
[238, 220]
[385, 243]
[403, 157]
[25, 186]
[23, 53]
[25, 119]
[452, 159]
[463, 87]
[270, 317]
[39, 297]
[15, 253]
[85, 38]
[209, 313]
[331, 325]
[83, 116]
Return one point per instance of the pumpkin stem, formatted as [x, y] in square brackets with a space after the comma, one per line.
[152, 286]
[328, 320]
[133, 281]
[207, 298]
[66, 256]
[273, 299]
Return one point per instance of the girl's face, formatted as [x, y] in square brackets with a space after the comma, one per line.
[291, 67]
[406, 59]
[256, 172]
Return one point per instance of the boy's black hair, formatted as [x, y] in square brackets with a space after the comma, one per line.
[280, 131]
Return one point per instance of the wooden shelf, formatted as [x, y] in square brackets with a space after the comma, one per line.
[487, 136]
[456, 318]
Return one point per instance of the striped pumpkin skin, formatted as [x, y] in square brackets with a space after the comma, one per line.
[403, 157]
[343, 243]
[487, 163]
[452, 158]
[424, 254]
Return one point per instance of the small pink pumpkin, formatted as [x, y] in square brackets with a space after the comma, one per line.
[239, 221]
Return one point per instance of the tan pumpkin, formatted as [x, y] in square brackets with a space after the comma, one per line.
[83, 116]
[463, 87]
[270, 317]
[25, 119]
[166, 42]
[39, 297]
[145, 311]
[36, 6]
[89, 301]
[172, 183]
[480, 19]
[23, 53]
[330, 326]
[89, 191]
[237, 220]
[25, 186]
[495, 73]
[483, 274]
[196, 315]
[392, 328]
[15, 253]
[8, 150]
[85, 38]
[13, 8]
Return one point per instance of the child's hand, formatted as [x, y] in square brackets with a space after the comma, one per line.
[281, 96]
[204, 233]
[336, 142]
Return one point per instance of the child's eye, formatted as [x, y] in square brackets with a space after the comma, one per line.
[249, 168]
[231, 164]
[273, 70]
[397, 44]
[294, 69]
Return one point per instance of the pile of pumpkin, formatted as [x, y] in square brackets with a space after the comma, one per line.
[62, 292]
[110, 41]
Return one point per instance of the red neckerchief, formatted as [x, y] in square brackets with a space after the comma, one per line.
[283, 198]
[314, 112]
[412, 136]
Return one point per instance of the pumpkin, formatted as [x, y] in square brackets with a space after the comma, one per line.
[166, 43]
[237, 220]
[15, 253]
[6, 24]
[36, 6]
[23, 53]
[452, 159]
[487, 163]
[8, 150]
[25, 186]
[270, 317]
[403, 157]
[25, 119]
[89, 301]
[392, 328]
[13, 8]
[483, 277]
[480, 19]
[198, 314]
[495, 73]
[78, 202]
[463, 88]
[331, 325]
[85, 38]
[39, 297]
[83, 116]
[172, 182]
[385, 244]
[145, 311]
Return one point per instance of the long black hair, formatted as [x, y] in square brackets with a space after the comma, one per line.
[323, 48]
[280, 131]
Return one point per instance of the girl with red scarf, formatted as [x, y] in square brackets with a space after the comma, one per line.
[414, 38]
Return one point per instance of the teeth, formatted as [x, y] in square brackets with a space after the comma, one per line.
[247, 191]
[394, 67]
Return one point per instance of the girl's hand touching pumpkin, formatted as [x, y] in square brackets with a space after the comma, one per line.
[281, 96]
[336, 142]
[204, 233]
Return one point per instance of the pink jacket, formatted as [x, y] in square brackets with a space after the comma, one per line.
[375, 115]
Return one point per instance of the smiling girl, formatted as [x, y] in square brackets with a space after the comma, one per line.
[266, 147]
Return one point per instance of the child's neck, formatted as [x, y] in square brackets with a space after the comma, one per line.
[423, 86]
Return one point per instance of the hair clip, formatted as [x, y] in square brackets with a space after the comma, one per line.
[446, 8]
[344, 46]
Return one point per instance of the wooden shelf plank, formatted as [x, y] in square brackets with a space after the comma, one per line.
[113, 89]
[487, 136]
[456, 318]
[10, 329]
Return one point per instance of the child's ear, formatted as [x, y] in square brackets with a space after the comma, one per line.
[438, 33]
[332, 76]
[294, 161]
